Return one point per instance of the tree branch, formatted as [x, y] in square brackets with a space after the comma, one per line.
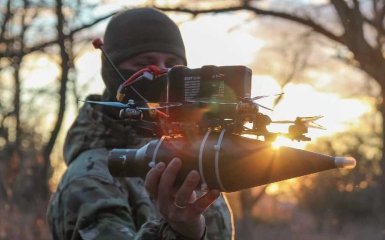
[7, 16]
[43, 45]
[371, 60]
[303, 21]
[65, 67]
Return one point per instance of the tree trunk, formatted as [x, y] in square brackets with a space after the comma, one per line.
[245, 225]
[64, 45]
[381, 181]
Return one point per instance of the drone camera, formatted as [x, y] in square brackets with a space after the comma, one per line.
[224, 83]
[214, 90]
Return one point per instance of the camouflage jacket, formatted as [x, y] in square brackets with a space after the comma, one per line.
[91, 204]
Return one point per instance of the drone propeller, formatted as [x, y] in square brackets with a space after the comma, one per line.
[158, 105]
[264, 96]
[211, 101]
[150, 105]
[310, 119]
[307, 121]
[108, 104]
[259, 105]
[253, 99]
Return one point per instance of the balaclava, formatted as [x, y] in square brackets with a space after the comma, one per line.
[133, 32]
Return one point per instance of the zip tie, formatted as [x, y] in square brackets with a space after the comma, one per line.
[153, 162]
[203, 143]
[217, 148]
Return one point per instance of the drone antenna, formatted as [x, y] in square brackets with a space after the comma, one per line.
[98, 44]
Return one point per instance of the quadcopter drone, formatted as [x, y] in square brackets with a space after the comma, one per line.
[210, 98]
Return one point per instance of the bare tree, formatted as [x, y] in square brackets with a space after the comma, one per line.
[21, 32]
[248, 200]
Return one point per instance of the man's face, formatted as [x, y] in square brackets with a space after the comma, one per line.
[162, 60]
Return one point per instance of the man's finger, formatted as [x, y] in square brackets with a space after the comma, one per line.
[186, 190]
[202, 203]
[167, 181]
[152, 179]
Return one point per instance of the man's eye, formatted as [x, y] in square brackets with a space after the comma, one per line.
[173, 62]
[142, 65]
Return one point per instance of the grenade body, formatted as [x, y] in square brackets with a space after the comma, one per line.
[227, 162]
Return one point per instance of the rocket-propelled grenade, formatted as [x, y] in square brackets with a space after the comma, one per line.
[227, 162]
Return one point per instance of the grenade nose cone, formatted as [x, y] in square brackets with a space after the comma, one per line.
[345, 162]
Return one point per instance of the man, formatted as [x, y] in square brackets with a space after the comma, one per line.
[89, 202]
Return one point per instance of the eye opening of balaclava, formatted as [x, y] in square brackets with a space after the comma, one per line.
[136, 31]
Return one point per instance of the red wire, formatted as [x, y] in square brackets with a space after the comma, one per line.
[155, 70]
[162, 114]
[134, 77]
[151, 68]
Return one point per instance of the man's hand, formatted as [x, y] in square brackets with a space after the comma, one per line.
[180, 206]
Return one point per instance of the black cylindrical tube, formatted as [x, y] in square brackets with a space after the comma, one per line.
[226, 162]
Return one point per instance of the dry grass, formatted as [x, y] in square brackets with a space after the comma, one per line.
[30, 225]
[302, 226]
[350, 231]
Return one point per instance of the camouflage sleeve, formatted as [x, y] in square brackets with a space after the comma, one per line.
[93, 209]
[101, 216]
[219, 225]
[90, 204]
[160, 229]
